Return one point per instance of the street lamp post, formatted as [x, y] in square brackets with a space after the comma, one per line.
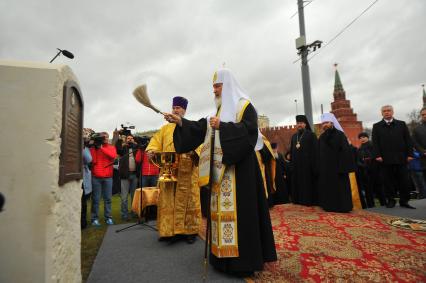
[303, 51]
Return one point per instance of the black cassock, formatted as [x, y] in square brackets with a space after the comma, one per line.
[304, 168]
[335, 163]
[281, 193]
[255, 237]
[282, 190]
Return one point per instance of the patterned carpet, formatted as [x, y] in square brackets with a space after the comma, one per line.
[318, 246]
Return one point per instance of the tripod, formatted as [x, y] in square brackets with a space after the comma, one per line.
[140, 221]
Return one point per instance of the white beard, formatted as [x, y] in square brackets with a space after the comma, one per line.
[218, 101]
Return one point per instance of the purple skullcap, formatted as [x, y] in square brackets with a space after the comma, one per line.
[180, 101]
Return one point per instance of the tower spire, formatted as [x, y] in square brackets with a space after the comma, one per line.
[337, 82]
[339, 92]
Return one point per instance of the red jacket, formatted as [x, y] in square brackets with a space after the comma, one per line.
[102, 157]
[147, 168]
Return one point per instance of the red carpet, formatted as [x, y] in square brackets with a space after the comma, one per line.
[318, 246]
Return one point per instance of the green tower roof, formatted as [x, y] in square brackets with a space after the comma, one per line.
[337, 82]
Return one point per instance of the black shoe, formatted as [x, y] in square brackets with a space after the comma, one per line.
[175, 239]
[242, 274]
[165, 239]
[391, 203]
[190, 239]
[406, 205]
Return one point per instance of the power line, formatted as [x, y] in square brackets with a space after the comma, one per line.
[308, 2]
[346, 27]
[343, 30]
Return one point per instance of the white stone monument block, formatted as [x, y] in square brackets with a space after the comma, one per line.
[40, 225]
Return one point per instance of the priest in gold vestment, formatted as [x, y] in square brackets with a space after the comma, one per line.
[178, 210]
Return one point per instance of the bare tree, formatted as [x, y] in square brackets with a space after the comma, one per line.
[414, 119]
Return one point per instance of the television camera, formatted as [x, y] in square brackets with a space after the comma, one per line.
[95, 140]
[125, 130]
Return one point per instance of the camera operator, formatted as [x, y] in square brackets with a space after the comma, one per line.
[149, 172]
[127, 148]
[103, 154]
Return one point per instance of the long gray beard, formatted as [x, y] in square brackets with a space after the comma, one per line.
[218, 102]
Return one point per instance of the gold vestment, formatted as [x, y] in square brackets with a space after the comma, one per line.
[178, 209]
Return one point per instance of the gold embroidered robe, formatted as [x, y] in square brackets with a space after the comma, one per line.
[178, 209]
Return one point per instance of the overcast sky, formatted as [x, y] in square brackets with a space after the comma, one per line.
[175, 47]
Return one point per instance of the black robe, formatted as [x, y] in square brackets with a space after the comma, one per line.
[288, 173]
[255, 237]
[335, 163]
[266, 159]
[305, 170]
[282, 190]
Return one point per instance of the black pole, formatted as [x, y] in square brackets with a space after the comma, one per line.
[209, 196]
[59, 53]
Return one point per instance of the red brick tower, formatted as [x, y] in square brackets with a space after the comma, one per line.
[341, 108]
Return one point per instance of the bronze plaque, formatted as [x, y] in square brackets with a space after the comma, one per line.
[71, 157]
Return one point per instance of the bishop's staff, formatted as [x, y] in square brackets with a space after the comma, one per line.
[209, 197]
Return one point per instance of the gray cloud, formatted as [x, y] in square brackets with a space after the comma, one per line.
[175, 46]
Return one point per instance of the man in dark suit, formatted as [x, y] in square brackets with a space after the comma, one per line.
[393, 149]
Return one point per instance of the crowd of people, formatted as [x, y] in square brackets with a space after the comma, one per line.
[392, 165]
[230, 173]
[124, 165]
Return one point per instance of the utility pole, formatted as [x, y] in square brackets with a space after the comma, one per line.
[303, 52]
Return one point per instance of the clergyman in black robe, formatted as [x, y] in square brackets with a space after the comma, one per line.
[281, 195]
[304, 154]
[335, 163]
[237, 141]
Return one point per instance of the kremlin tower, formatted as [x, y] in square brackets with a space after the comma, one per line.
[341, 108]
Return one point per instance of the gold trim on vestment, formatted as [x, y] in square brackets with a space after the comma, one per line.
[262, 171]
[223, 203]
[356, 202]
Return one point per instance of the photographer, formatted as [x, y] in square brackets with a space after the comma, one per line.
[128, 174]
[149, 172]
[103, 154]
